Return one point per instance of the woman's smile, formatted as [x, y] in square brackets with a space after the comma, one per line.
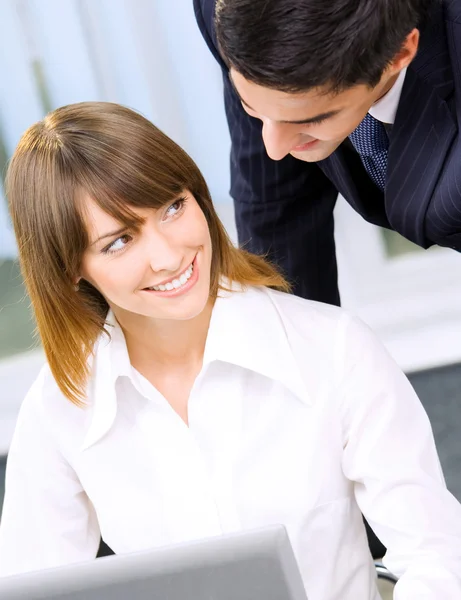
[177, 286]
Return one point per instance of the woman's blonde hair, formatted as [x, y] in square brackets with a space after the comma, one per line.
[123, 162]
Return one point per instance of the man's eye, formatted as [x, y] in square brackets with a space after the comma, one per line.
[319, 122]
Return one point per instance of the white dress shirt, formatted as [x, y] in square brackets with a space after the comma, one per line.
[386, 108]
[298, 416]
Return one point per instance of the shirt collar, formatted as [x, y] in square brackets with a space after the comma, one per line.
[111, 361]
[245, 330]
[386, 107]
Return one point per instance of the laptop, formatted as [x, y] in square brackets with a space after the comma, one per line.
[253, 565]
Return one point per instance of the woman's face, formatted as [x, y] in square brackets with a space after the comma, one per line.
[160, 272]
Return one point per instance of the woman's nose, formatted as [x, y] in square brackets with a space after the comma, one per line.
[164, 255]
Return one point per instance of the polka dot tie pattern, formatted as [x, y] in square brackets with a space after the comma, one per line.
[371, 142]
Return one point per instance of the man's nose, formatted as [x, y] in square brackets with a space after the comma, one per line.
[278, 138]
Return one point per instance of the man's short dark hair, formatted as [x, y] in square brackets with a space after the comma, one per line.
[296, 45]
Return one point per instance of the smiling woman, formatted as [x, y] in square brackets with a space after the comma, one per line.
[201, 401]
[101, 199]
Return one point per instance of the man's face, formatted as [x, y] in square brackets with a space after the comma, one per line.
[308, 125]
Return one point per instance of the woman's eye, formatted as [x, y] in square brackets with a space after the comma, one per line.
[175, 208]
[117, 244]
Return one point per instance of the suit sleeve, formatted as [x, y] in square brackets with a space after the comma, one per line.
[282, 208]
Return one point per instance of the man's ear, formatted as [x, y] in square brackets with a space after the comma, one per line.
[407, 52]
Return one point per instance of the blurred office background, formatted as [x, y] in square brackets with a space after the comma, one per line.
[148, 54]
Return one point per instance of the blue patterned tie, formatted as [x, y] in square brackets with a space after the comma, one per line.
[371, 142]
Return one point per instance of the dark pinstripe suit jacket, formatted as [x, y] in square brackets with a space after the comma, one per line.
[285, 207]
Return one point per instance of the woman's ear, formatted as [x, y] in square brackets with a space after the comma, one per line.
[77, 284]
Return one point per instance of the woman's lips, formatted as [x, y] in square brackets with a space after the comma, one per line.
[180, 290]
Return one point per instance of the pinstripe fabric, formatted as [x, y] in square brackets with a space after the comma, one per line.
[273, 211]
[285, 207]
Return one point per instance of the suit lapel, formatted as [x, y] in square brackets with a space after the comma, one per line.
[344, 167]
[422, 134]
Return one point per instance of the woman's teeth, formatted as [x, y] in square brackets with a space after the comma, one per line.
[176, 283]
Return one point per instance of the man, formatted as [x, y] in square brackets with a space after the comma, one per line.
[359, 97]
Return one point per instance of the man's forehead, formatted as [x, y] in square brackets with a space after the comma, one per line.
[295, 107]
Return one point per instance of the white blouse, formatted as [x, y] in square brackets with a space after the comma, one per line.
[298, 416]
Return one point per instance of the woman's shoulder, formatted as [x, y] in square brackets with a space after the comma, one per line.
[330, 331]
[308, 315]
[324, 330]
[262, 302]
[48, 406]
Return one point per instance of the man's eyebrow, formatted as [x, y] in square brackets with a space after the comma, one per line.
[111, 234]
[317, 119]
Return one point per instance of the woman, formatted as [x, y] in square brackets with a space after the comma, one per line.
[185, 397]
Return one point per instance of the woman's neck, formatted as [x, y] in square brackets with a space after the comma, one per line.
[166, 343]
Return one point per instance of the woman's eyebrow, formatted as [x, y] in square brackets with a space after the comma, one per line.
[106, 235]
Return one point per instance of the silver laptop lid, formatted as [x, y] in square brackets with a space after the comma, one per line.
[253, 565]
